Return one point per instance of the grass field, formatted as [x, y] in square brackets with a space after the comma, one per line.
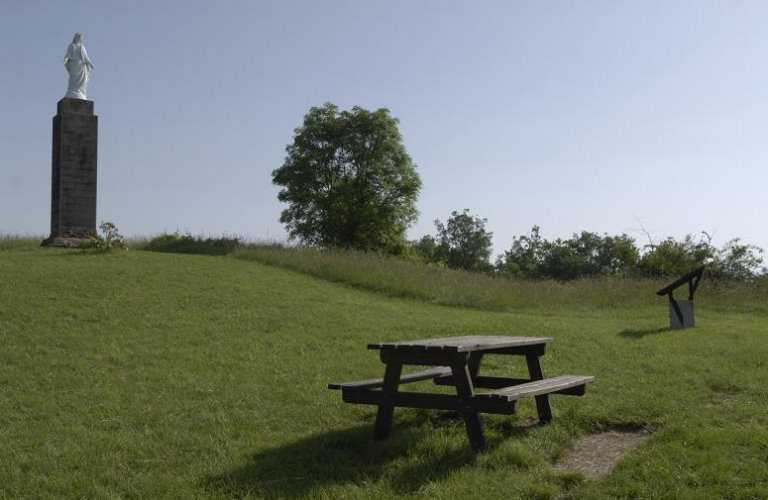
[401, 278]
[148, 375]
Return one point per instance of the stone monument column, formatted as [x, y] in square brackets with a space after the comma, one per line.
[73, 183]
[75, 137]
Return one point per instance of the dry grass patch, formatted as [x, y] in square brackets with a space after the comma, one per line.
[596, 454]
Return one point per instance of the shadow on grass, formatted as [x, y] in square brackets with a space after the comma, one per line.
[345, 457]
[640, 333]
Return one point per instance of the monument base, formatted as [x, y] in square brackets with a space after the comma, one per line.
[73, 180]
[71, 240]
[686, 307]
[63, 242]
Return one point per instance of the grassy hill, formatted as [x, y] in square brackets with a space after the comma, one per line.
[148, 375]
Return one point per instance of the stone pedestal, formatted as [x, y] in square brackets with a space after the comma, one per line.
[73, 184]
[686, 308]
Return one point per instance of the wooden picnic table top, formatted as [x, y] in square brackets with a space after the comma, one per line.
[469, 343]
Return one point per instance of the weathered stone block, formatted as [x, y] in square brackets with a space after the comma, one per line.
[73, 183]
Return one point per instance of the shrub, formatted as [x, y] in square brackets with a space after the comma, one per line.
[585, 255]
[109, 239]
[177, 243]
[589, 255]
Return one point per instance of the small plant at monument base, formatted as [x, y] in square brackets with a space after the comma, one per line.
[109, 239]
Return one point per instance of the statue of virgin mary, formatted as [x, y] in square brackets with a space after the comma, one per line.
[79, 68]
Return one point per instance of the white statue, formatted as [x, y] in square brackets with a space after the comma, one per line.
[79, 68]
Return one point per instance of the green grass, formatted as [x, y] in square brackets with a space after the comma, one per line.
[149, 375]
[16, 242]
[400, 278]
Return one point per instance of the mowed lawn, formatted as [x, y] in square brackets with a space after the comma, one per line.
[144, 375]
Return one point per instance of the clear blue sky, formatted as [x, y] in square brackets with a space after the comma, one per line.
[586, 115]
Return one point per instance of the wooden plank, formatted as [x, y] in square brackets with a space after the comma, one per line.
[467, 343]
[539, 349]
[686, 278]
[543, 408]
[404, 379]
[429, 401]
[472, 420]
[475, 358]
[384, 416]
[561, 385]
[486, 382]
[577, 390]
[433, 358]
[422, 400]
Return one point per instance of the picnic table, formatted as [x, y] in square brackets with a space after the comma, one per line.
[457, 361]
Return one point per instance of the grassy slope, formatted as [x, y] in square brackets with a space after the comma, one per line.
[399, 278]
[141, 375]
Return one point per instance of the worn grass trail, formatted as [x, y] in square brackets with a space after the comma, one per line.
[143, 375]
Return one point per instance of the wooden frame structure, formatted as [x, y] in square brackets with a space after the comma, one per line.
[458, 364]
[692, 279]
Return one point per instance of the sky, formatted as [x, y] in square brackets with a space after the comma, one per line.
[648, 118]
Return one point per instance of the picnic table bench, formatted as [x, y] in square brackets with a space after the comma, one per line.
[457, 361]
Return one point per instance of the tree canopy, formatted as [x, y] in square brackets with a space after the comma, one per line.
[348, 180]
[461, 243]
[465, 242]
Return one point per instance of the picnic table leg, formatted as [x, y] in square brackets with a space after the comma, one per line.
[474, 365]
[473, 421]
[536, 373]
[384, 415]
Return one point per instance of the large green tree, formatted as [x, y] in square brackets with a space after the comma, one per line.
[348, 180]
